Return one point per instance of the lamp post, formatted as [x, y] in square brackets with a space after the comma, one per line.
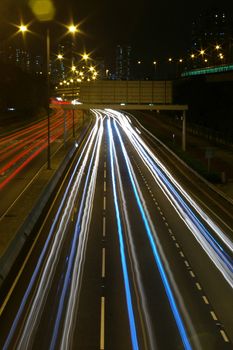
[23, 29]
[154, 63]
[72, 29]
[48, 94]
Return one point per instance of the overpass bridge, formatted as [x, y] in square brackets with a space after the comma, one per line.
[122, 95]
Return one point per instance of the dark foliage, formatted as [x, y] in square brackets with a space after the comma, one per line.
[22, 91]
[210, 103]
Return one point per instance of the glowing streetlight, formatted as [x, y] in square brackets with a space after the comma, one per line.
[217, 47]
[170, 59]
[60, 56]
[192, 55]
[85, 57]
[202, 52]
[180, 60]
[72, 29]
[23, 28]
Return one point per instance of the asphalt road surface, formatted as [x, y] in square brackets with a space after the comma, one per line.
[115, 263]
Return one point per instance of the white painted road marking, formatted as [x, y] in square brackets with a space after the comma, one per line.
[102, 325]
[103, 263]
[104, 226]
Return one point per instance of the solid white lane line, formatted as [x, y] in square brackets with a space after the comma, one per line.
[103, 263]
[102, 323]
[104, 226]
[104, 205]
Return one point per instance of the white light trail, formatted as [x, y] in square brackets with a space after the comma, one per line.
[171, 189]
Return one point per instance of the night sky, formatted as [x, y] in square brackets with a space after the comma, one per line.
[155, 29]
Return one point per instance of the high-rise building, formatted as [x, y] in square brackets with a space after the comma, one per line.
[22, 59]
[211, 30]
[123, 60]
[37, 66]
[100, 67]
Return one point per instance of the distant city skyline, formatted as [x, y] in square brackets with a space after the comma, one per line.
[143, 39]
[153, 29]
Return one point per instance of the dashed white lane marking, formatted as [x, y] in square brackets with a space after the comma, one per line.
[198, 286]
[224, 336]
[102, 323]
[104, 205]
[191, 273]
[103, 263]
[105, 174]
[105, 164]
[104, 186]
[205, 299]
[104, 226]
[213, 316]
[181, 254]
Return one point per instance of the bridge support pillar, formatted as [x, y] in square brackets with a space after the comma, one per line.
[184, 131]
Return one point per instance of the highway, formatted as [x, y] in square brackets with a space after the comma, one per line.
[123, 258]
[23, 153]
[19, 148]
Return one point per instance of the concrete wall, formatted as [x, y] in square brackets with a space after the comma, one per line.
[108, 91]
[112, 91]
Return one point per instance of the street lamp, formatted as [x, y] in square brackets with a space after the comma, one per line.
[23, 29]
[72, 29]
[154, 63]
[48, 93]
[85, 57]
[60, 56]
